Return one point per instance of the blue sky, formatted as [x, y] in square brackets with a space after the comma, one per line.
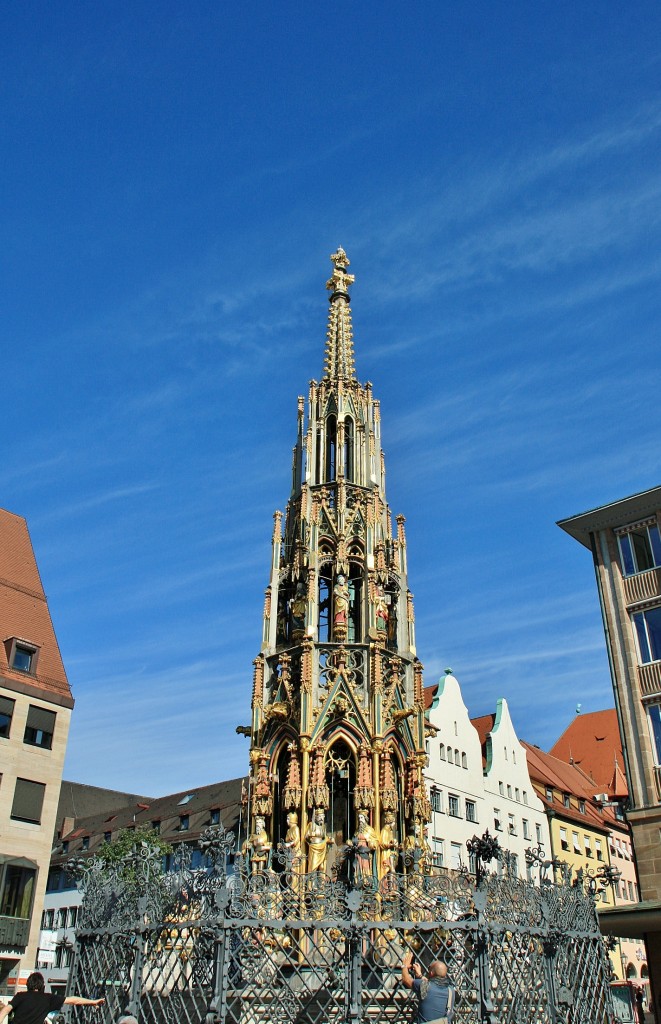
[174, 179]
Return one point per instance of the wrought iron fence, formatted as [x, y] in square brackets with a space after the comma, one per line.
[283, 947]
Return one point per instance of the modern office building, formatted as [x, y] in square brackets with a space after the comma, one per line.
[35, 709]
[625, 543]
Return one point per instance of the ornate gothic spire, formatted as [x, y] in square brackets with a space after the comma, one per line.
[339, 340]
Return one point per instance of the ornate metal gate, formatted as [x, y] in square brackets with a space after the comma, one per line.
[281, 947]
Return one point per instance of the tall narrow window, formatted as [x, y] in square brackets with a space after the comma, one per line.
[648, 629]
[325, 592]
[331, 447]
[354, 632]
[348, 448]
[640, 549]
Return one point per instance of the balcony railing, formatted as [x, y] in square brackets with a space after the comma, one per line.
[642, 586]
[14, 931]
[649, 677]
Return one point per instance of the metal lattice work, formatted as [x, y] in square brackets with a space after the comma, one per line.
[283, 947]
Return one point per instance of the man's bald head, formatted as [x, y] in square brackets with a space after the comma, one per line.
[437, 969]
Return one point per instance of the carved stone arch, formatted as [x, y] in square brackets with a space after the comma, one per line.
[398, 758]
[341, 767]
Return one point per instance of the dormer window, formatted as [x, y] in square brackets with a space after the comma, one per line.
[21, 655]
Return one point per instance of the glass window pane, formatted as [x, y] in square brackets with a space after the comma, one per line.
[655, 538]
[653, 621]
[642, 551]
[655, 719]
[627, 557]
[639, 622]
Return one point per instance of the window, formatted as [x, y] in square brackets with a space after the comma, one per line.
[17, 889]
[648, 631]
[581, 806]
[511, 825]
[184, 822]
[348, 448]
[6, 714]
[525, 797]
[588, 846]
[654, 713]
[640, 549]
[514, 865]
[214, 817]
[471, 811]
[441, 752]
[73, 916]
[464, 761]
[566, 800]
[438, 853]
[23, 658]
[526, 829]
[453, 805]
[62, 915]
[564, 842]
[457, 757]
[501, 789]
[40, 727]
[598, 849]
[107, 836]
[28, 801]
[630, 885]
[496, 820]
[47, 920]
[85, 845]
[455, 856]
[516, 796]
[509, 792]
[156, 825]
[436, 800]
[549, 794]
[538, 832]
[65, 846]
[577, 845]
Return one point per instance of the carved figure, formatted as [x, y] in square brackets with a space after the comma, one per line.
[293, 841]
[382, 613]
[389, 847]
[257, 846]
[340, 606]
[365, 843]
[318, 842]
[417, 851]
[297, 610]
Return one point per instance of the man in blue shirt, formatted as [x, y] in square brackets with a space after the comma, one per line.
[435, 993]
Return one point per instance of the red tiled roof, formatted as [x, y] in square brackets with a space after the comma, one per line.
[593, 742]
[430, 693]
[547, 770]
[24, 614]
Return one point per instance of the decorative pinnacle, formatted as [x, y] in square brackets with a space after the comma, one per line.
[339, 338]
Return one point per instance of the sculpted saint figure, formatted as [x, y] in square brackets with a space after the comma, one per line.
[298, 609]
[389, 852]
[417, 851]
[341, 604]
[293, 840]
[365, 842]
[257, 846]
[381, 611]
[318, 842]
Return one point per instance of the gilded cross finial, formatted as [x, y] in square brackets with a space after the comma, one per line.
[340, 280]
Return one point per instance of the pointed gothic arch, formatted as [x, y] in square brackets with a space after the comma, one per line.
[349, 448]
[330, 461]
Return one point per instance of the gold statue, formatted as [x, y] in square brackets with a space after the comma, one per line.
[318, 842]
[417, 851]
[389, 847]
[293, 841]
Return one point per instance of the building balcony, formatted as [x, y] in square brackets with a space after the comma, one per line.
[642, 586]
[14, 932]
[649, 678]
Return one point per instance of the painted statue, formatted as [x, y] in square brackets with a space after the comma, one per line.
[257, 846]
[318, 842]
[365, 843]
[341, 605]
[417, 851]
[389, 847]
[381, 611]
[298, 609]
[293, 841]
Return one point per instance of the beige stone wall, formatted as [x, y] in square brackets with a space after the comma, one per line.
[646, 828]
[21, 839]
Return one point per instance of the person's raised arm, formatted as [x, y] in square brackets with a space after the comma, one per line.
[407, 977]
[81, 1001]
